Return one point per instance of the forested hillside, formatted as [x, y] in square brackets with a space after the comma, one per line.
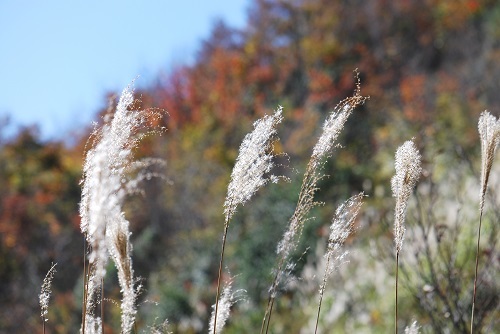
[429, 68]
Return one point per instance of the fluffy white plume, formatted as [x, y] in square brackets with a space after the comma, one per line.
[331, 130]
[414, 328]
[46, 291]
[489, 132]
[105, 185]
[255, 159]
[226, 300]
[340, 229]
[332, 127]
[408, 170]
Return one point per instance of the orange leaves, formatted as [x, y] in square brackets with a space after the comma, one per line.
[452, 13]
[412, 90]
[322, 86]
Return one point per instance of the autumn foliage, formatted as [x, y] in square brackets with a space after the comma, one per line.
[430, 67]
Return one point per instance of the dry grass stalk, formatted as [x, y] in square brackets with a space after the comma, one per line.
[254, 161]
[332, 127]
[489, 133]
[408, 170]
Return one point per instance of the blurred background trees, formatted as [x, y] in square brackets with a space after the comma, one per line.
[429, 67]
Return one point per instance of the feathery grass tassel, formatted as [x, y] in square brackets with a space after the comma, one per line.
[45, 294]
[408, 170]
[341, 228]
[489, 133]
[254, 161]
[105, 185]
[332, 127]
[227, 300]
[414, 328]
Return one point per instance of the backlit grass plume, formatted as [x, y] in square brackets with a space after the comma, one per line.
[106, 182]
[408, 170]
[332, 127]
[489, 133]
[414, 328]
[45, 294]
[227, 299]
[342, 226]
[254, 162]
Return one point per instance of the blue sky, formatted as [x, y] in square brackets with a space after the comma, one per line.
[59, 58]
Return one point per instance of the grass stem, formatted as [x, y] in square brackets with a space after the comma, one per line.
[475, 273]
[396, 306]
[219, 276]
[84, 297]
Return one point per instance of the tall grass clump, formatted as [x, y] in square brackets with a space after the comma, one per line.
[489, 133]
[109, 175]
[408, 170]
[332, 127]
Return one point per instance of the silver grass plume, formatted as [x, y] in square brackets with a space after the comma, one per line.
[254, 161]
[414, 328]
[489, 133]
[341, 228]
[161, 328]
[46, 291]
[332, 127]
[93, 325]
[105, 185]
[220, 314]
[408, 170]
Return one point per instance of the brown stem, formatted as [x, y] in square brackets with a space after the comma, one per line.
[270, 312]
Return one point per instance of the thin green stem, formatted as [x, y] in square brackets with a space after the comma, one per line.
[475, 272]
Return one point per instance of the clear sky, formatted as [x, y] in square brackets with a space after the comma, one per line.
[59, 58]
